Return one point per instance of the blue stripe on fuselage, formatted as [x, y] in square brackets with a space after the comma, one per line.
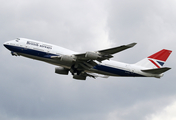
[116, 71]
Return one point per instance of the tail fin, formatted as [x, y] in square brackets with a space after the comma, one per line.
[156, 60]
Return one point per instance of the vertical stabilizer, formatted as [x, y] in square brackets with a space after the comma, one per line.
[156, 60]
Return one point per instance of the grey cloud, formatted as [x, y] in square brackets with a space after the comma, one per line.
[31, 90]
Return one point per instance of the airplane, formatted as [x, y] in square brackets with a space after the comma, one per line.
[91, 63]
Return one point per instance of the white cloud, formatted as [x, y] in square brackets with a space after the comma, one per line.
[168, 113]
[138, 110]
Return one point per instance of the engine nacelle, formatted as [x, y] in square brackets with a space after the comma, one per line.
[61, 70]
[92, 55]
[67, 60]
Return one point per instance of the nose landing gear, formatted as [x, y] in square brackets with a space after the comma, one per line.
[14, 53]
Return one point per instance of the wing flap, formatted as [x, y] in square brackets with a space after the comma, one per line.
[156, 70]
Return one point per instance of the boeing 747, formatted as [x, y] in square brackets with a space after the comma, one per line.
[91, 63]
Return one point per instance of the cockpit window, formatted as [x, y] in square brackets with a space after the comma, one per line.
[17, 40]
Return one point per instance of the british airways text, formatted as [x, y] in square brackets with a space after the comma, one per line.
[37, 44]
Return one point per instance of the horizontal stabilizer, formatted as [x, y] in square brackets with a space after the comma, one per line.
[156, 70]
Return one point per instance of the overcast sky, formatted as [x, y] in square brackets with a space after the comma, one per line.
[30, 90]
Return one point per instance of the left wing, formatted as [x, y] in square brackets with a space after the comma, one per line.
[103, 54]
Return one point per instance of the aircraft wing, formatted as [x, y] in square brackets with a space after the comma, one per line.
[81, 63]
[117, 49]
[103, 54]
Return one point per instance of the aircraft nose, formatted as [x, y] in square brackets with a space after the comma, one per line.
[5, 44]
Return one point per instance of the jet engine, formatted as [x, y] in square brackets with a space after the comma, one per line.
[67, 60]
[61, 70]
[92, 55]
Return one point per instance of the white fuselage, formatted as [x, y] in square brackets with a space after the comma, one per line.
[43, 52]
